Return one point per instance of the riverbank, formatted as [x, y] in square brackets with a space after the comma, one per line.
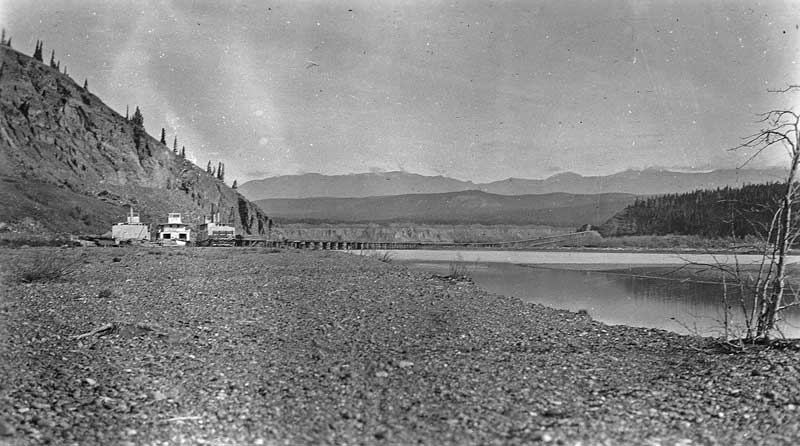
[249, 346]
[423, 233]
[477, 234]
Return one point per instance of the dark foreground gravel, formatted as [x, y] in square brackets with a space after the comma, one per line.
[237, 346]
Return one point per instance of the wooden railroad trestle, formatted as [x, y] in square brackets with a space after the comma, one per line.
[359, 246]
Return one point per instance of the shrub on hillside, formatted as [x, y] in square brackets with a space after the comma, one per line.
[19, 240]
[45, 268]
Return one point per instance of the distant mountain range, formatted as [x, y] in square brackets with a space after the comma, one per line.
[311, 185]
[640, 182]
[464, 207]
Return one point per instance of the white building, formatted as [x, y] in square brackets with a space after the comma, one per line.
[174, 231]
[131, 231]
[212, 232]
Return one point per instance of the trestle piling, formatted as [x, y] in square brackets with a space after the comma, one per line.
[341, 245]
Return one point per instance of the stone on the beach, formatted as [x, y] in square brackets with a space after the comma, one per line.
[6, 429]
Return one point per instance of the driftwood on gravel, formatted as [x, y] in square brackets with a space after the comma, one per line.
[123, 329]
[99, 331]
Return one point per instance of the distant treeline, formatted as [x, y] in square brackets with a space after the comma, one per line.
[722, 212]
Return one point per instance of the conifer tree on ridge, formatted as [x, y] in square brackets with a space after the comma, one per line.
[37, 52]
[138, 119]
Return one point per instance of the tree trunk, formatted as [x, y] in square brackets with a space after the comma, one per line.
[784, 229]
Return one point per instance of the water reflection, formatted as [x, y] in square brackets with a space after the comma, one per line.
[675, 305]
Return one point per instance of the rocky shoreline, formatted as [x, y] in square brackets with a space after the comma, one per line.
[252, 346]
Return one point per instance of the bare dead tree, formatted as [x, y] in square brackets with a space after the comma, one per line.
[780, 128]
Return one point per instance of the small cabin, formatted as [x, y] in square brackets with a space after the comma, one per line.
[214, 233]
[174, 231]
[131, 231]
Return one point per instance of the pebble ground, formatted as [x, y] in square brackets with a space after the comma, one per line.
[223, 346]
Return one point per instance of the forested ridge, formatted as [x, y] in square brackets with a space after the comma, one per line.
[720, 212]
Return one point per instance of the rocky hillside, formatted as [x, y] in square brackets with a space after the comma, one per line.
[69, 163]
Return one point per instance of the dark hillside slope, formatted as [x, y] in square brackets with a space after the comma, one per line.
[44, 207]
[719, 212]
[55, 133]
[468, 207]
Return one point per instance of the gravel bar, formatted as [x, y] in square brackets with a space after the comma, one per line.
[225, 346]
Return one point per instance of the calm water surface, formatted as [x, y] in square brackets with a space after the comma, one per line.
[675, 305]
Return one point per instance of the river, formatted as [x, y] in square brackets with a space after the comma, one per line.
[573, 280]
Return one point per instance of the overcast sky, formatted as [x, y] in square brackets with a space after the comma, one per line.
[476, 90]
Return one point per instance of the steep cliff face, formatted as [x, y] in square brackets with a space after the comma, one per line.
[53, 131]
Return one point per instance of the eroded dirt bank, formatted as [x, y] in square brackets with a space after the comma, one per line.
[235, 346]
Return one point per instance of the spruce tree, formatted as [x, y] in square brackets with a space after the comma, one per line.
[3, 40]
[175, 145]
[163, 136]
[86, 84]
[138, 128]
[53, 59]
[37, 53]
[208, 168]
[138, 119]
[235, 185]
[183, 152]
[126, 112]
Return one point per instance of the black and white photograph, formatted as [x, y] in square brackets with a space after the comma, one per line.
[399, 222]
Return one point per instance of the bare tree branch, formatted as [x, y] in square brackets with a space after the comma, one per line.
[785, 90]
[775, 115]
